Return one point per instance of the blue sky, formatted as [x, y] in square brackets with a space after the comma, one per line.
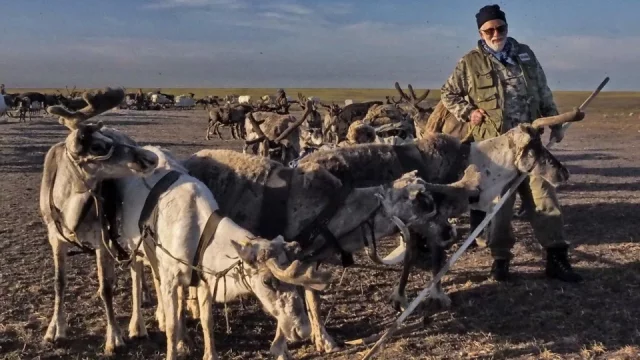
[295, 43]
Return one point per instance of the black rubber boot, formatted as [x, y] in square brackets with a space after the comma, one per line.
[558, 266]
[500, 270]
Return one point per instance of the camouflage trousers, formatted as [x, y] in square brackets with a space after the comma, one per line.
[545, 218]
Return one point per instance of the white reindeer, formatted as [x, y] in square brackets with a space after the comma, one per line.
[183, 212]
[72, 174]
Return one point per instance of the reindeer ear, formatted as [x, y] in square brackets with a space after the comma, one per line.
[247, 251]
[415, 190]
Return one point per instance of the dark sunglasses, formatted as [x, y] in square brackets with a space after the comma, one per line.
[500, 29]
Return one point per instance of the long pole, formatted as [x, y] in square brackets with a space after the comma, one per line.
[423, 294]
[584, 105]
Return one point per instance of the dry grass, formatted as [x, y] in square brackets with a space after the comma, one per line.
[609, 100]
[530, 318]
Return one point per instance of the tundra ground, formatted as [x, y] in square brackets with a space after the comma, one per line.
[531, 318]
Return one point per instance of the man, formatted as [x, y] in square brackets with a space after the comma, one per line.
[281, 102]
[496, 86]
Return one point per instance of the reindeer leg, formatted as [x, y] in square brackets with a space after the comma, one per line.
[438, 296]
[146, 290]
[192, 303]
[137, 327]
[210, 126]
[398, 298]
[218, 131]
[319, 335]
[106, 278]
[181, 326]
[169, 295]
[155, 273]
[206, 319]
[234, 134]
[57, 329]
[279, 346]
[160, 316]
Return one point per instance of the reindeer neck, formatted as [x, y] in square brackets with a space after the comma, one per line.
[495, 160]
[360, 207]
[69, 194]
[221, 254]
[75, 177]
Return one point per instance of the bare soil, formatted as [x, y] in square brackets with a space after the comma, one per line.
[530, 318]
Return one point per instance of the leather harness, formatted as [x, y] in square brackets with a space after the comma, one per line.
[273, 214]
[149, 218]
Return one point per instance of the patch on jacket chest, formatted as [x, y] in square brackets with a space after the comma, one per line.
[524, 57]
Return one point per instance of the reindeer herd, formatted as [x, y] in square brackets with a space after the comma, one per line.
[263, 221]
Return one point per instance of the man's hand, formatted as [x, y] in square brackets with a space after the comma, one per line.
[557, 134]
[477, 116]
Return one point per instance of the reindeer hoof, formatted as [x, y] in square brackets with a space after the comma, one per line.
[137, 332]
[110, 349]
[398, 302]
[183, 348]
[437, 301]
[54, 335]
[325, 343]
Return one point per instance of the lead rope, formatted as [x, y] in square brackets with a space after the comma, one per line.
[97, 202]
[222, 274]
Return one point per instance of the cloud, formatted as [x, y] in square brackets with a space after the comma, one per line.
[291, 8]
[194, 4]
[288, 43]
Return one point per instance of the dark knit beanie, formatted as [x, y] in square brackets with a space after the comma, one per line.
[488, 13]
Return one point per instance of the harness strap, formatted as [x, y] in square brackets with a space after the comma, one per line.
[205, 239]
[319, 226]
[411, 159]
[58, 220]
[273, 214]
[149, 214]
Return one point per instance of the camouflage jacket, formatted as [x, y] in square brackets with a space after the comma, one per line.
[521, 89]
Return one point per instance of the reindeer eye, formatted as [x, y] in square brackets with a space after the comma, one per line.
[270, 282]
[99, 149]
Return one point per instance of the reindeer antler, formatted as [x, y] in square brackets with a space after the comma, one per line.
[467, 186]
[298, 273]
[287, 131]
[413, 100]
[570, 116]
[97, 103]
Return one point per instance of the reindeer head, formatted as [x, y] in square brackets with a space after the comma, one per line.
[274, 273]
[414, 110]
[530, 154]
[102, 153]
[72, 94]
[425, 207]
[361, 133]
[280, 147]
[330, 124]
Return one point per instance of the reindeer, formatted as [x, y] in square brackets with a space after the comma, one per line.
[24, 105]
[278, 136]
[410, 106]
[4, 105]
[312, 132]
[441, 158]
[188, 226]
[70, 192]
[265, 197]
[338, 119]
[228, 115]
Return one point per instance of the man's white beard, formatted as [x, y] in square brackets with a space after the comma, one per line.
[497, 47]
